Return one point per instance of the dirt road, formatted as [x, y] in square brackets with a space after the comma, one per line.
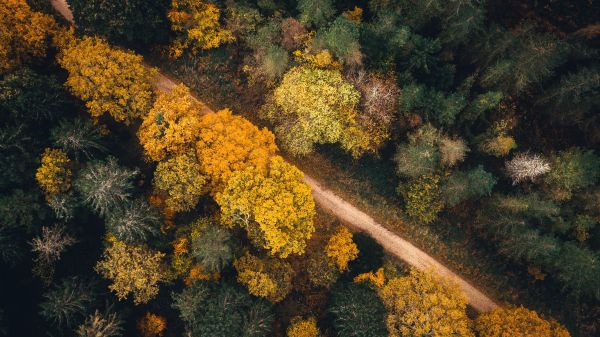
[355, 218]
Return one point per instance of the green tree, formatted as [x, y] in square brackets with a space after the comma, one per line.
[104, 185]
[433, 105]
[134, 23]
[67, 303]
[422, 198]
[315, 13]
[464, 185]
[572, 170]
[341, 37]
[78, 137]
[357, 311]
[133, 222]
[212, 247]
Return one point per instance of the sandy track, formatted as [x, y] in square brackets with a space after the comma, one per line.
[352, 216]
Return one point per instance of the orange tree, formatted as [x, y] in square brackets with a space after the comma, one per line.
[422, 305]
[151, 325]
[23, 33]
[274, 206]
[172, 125]
[109, 80]
[517, 322]
[229, 143]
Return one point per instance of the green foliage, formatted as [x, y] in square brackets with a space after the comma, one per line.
[357, 311]
[78, 137]
[572, 170]
[22, 210]
[212, 247]
[315, 13]
[135, 23]
[213, 310]
[133, 222]
[481, 104]
[67, 303]
[104, 185]
[422, 198]
[434, 105]
[464, 185]
[28, 96]
[341, 38]
[414, 160]
[321, 271]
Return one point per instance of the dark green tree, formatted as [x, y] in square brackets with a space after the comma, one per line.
[68, 302]
[464, 185]
[135, 23]
[341, 37]
[134, 222]
[571, 170]
[357, 311]
[78, 137]
[315, 13]
[212, 248]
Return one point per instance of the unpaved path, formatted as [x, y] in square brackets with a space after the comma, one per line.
[352, 216]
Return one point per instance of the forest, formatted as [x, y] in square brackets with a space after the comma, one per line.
[161, 163]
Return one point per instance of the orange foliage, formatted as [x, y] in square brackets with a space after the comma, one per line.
[151, 325]
[376, 278]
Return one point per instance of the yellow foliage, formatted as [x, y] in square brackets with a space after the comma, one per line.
[54, 175]
[341, 249]
[354, 14]
[23, 33]
[499, 146]
[196, 273]
[109, 80]
[505, 322]
[151, 325]
[423, 305]
[276, 208]
[229, 143]
[172, 125]
[321, 59]
[422, 198]
[196, 23]
[303, 327]
[270, 278]
[180, 179]
[132, 269]
[377, 278]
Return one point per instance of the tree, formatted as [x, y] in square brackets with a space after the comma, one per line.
[213, 310]
[101, 325]
[464, 185]
[434, 106]
[108, 80]
[292, 34]
[67, 303]
[49, 247]
[276, 208]
[315, 106]
[54, 175]
[132, 269]
[422, 198]
[357, 311]
[300, 327]
[151, 325]
[341, 249]
[104, 186]
[172, 126]
[181, 180]
[134, 23]
[23, 33]
[134, 222]
[229, 143]
[452, 151]
[78, 137]
[269, 277]
[416, 159]
[517, 322]
[322, 272]
[212, 248]
[572, 169]
[197, 26]
[423, 304]
[341, 38]
[315, 13]
[525, 166]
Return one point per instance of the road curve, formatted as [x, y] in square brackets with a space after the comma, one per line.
[352, 216]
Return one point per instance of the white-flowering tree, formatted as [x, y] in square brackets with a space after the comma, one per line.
[526, 166]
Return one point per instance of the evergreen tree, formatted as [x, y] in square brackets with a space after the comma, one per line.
[341, 38]
[464, 185]
[134, 222]
[315, 13]
[357, 312]
[67, 303]
[212, 248]
[78, 137]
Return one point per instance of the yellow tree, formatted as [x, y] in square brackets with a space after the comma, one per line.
[423, 305]
[196, 23]
[179, 179]
[54, 175]
[23, 33]
[172, 125]
[519, 321]
[132, 269]
[276, 208]
[300, 327]
[269, 277]
[341, 249]
[152, 325]
[109, 80]
[229, 143]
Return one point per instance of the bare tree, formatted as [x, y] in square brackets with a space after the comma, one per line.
[49, 248]
[526, 166]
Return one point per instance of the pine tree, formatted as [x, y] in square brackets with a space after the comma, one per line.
[67, 303]
[315, 13]
[357, 311]
[464, 185]
[133, 222]
[212, 248]
[78, 137]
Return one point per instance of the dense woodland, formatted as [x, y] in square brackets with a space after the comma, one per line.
[130, 210]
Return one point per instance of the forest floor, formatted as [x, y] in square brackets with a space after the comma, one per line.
[352, 216]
